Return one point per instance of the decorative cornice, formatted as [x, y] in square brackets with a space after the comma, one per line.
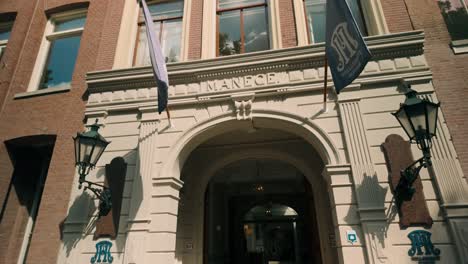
[382, 47]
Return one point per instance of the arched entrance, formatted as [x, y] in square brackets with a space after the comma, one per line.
[234, 172]
[259, 212]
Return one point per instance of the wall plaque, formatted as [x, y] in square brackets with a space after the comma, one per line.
[398, 156]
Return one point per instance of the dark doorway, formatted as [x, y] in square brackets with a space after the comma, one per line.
[31, 158]
[260, 212]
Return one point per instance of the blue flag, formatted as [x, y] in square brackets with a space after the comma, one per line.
[157, 59]
[345, 48]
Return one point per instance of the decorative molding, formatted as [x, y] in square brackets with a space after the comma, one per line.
[405, 44]
[243, 106]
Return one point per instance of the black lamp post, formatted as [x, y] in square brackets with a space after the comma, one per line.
[419, 120]
[89, 147]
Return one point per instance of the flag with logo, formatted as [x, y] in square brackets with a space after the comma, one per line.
[157, 59]
[345, 48]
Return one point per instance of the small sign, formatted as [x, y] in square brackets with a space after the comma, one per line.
[351, 236]
[189, 246]
[103, 254]
[421, 239]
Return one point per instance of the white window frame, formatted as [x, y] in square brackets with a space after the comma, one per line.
[372, 12]
[49, 36]
[184, 35]
[3, 43]
[459, 46]
[210, 30]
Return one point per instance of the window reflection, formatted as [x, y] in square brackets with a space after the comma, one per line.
[167, 18]
[61, 62]
[70, 24]
[255, 28]
[229, 33]
[456, 17]
[316, 18]
[243, 26]
[63, 51]
[4, 34]
[170, 41]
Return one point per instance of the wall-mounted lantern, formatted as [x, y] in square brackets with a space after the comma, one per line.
[418, 117]
[89, 147]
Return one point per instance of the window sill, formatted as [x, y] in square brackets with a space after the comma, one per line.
[460, 46]
[41, 92]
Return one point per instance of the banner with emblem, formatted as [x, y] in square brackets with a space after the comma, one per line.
[345, 48]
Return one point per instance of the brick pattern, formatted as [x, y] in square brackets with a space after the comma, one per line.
[397, 16]
[195, 31]
[287, 23]
[449, 70]
[58, 114]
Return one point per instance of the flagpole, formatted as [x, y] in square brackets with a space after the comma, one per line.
[325, 82]
[169, 117]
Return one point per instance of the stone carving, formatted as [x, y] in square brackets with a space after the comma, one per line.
[243, 109]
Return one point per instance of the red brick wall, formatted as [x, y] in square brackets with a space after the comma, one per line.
[60, 114]
[449, 70]
[195, 31]
[397, 16]
[287, 23]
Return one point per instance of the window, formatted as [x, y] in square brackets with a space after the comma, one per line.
[59, 50]
[315, 16]
[5, 30]
[242, 26]
[455, 13]
[167, 18]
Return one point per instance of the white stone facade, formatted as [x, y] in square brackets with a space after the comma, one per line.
[282, 90]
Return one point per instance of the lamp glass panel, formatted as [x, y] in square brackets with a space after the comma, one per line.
[432, 110]
[404, 121]
[417, 115]
[98, 150]
[77, 149]
[87, 145]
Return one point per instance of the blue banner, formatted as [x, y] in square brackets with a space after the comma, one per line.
[345, 48]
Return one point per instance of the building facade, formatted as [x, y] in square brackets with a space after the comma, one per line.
[252, 170]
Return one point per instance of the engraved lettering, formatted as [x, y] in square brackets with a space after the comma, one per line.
[260, 79]
[237, 83]
[211, 86]
[249, 81]
[226, 84]
[272, 78]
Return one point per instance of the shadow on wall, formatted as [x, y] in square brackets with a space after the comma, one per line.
[82, 215]
[372, 195]
[80, 228]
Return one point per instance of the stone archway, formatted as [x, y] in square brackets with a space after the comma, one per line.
[264, 118]
[207, 159]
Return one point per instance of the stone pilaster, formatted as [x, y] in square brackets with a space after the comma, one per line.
[453, 189]
[139, 216]
[370, 195]
[161, 246]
